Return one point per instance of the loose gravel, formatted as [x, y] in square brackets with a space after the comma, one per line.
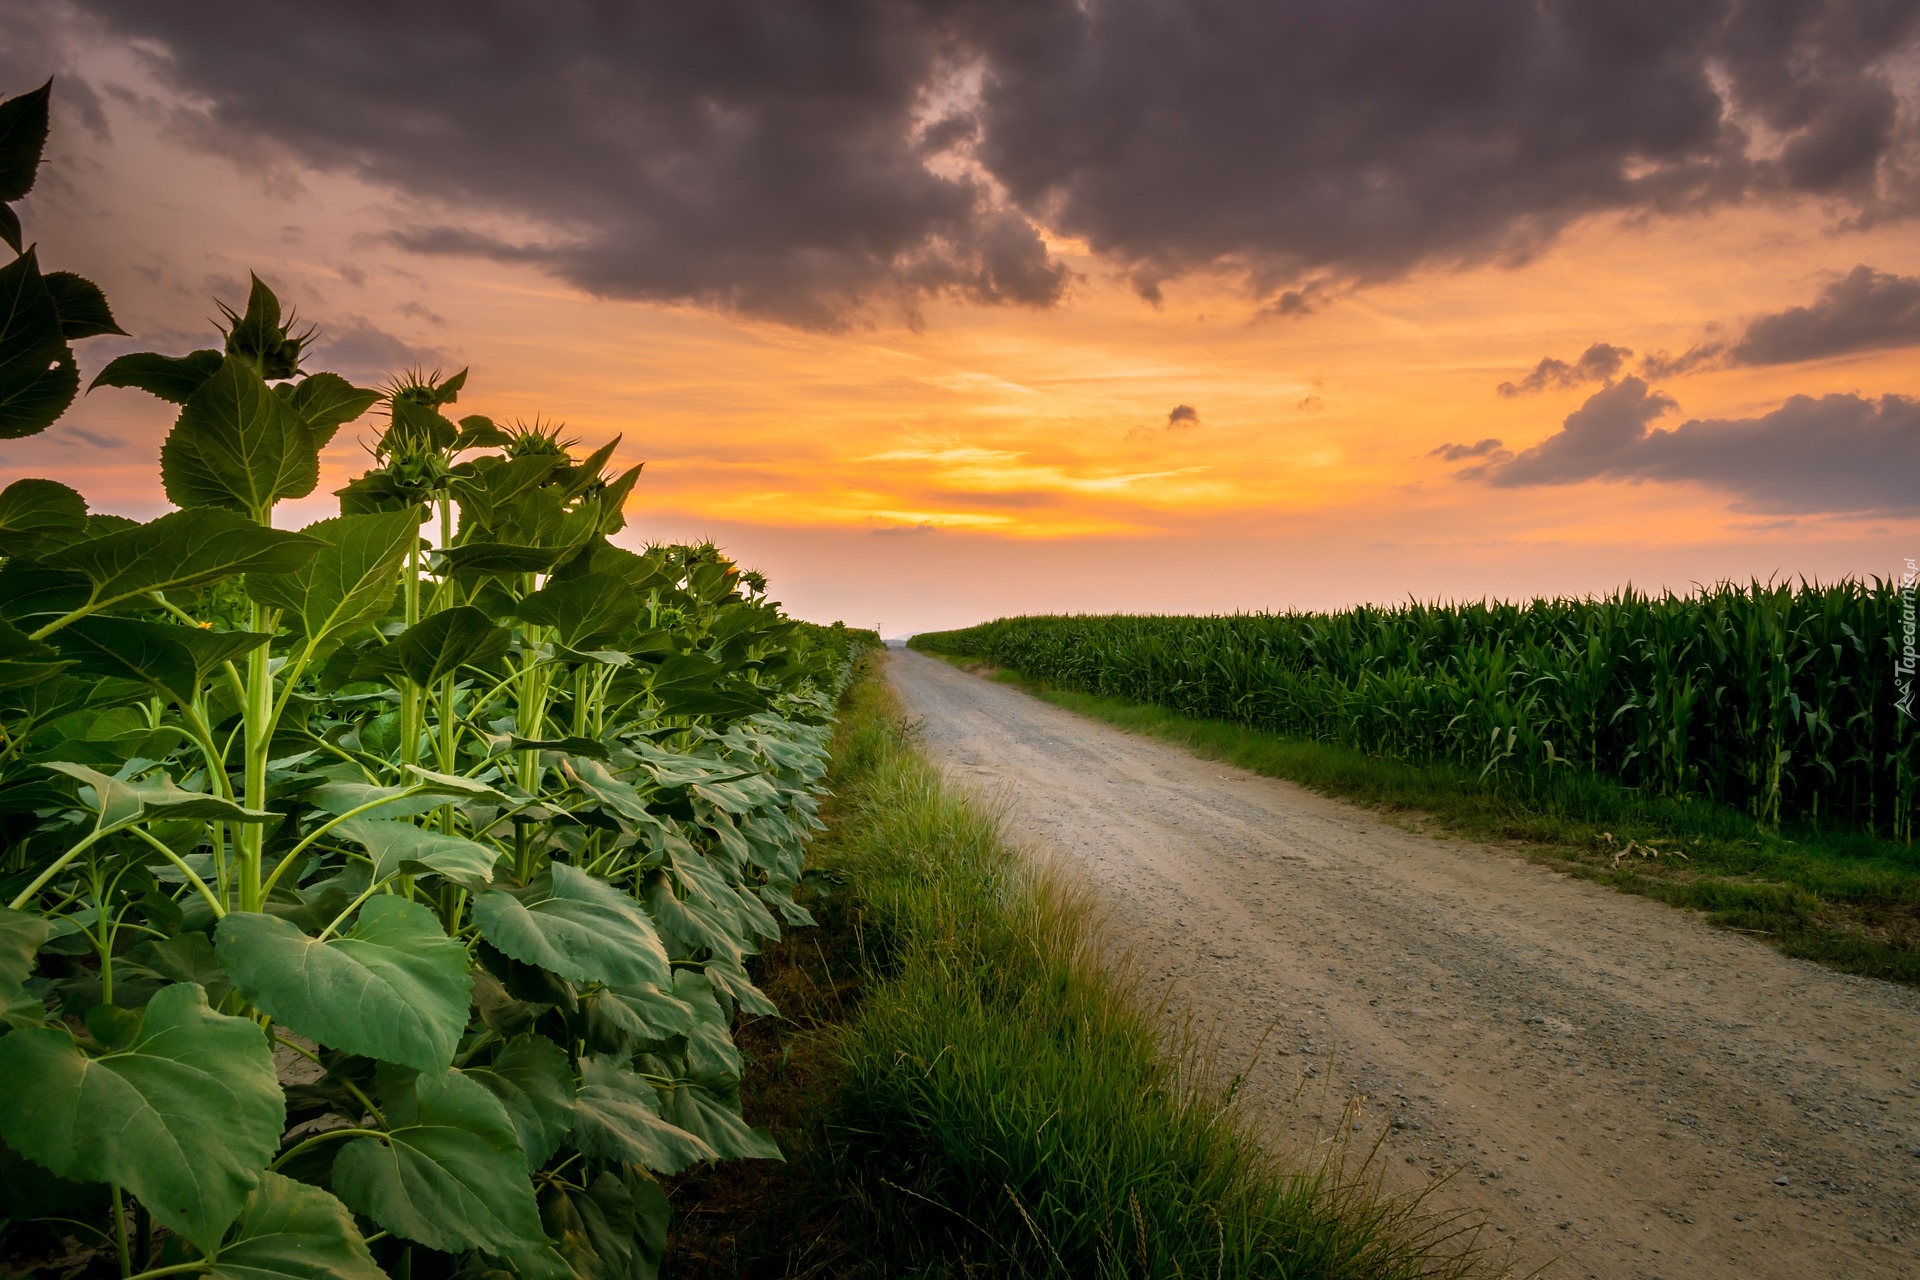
[1620, 1089]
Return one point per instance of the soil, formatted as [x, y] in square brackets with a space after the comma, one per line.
[1618, 1087]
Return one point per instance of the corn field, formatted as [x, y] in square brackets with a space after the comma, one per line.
[1780, 700]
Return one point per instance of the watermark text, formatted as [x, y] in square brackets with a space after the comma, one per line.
[1905, 661]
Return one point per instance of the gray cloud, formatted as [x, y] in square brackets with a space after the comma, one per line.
[1290, 302]
[808, 162]
[1182, 416]
[1487, 448]
[361, 350]
[36, 47]
[1590, 441]
[1702, 355]
[97, 439]
[1600, 362]
[1834, 454]
[760, 159]
[1361, 139]
[1864, 310]
[416, 311]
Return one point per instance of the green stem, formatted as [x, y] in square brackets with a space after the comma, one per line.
[509, 682]
[350, 909]
[215, 758]
[449, 744]
[59, 865]
[327, 826]
[256, 744]
[220, 865]
[531, 715]
[120, 1231]
[174, 609]
[349, 1085]
[290, 673]
[480, 1042]
[235, 684]
[86, 610]
[105, 936]
[349, 757]
[409, 691]
[453, 905]
[504, 817]
[409, 722]
[178, 1268]
[319, 1138]
[213, 900]
[522, 852]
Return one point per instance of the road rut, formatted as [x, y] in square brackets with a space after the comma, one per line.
[1618, 1085]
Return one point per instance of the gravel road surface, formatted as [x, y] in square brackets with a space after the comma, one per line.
[1621, 1089]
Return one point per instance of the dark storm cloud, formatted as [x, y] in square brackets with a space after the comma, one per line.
[1600, 362]
[1366, 137]
[1864, 310]
[1837, 453]
[805, 161]
[766, 159]
[1182, 416]
[33, 50]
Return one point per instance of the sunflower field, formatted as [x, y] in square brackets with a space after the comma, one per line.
[376, 897]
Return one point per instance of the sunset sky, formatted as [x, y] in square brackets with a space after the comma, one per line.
[942, 311]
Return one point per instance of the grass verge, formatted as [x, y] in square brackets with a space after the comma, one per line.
[1845, 900]
[963, 1091]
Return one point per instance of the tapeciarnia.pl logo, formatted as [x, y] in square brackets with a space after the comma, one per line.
[1903, 664]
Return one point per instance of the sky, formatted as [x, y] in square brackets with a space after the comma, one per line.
[943, 311]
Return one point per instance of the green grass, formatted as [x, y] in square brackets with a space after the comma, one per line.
[967, 1092]
[1843, 899]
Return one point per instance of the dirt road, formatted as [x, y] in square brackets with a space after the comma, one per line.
[1616, 1081]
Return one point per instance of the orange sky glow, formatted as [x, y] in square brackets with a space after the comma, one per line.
[915, 471]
